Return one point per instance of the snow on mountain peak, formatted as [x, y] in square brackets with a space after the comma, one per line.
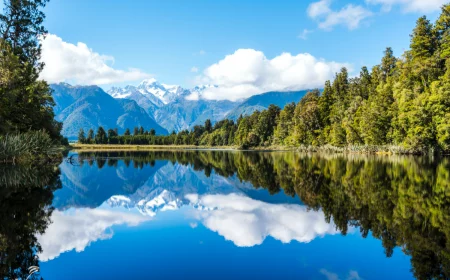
[118, 92]
[163, 93]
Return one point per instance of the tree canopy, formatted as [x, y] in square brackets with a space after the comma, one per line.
[26, 102]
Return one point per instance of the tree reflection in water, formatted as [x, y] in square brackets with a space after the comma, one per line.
[26, 194]
[403, 201]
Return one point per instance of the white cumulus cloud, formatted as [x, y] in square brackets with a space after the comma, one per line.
[349, 16]
[247, 222]
[421, 6]
[247, 72]
[76, 230]
[66, 62]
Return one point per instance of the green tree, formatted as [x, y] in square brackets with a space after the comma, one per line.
[208, 125]
[100, 136]
[81, 136]
[111, 134]
[26, 102]
[422, 39]
[90, 137]
[442, 30]
[307, 120]
[127, 132]
[388, 63]
[265, 124]
[284, 124]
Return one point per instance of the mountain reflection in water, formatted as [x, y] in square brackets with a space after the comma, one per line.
[244, 197]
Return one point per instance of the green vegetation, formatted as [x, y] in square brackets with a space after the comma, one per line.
[29, 146]
[26, 103]
[402, 105]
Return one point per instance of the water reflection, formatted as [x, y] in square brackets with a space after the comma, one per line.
[246, 197]
[403, 201]
[75, 230]
[247, 222]
[26, 193]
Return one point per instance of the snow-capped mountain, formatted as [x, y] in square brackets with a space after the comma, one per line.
[137, 93]
[160, 94]
[89, 107]
[118, 92]
[172, 106]
[151, 104]
[165, 93]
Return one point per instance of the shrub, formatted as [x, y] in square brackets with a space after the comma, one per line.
[32, 145]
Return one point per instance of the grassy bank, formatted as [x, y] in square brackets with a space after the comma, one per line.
[115, 147]
[32, 146]
[387, 149]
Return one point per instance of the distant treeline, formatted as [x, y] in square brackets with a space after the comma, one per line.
[403, 102]
[111, 136]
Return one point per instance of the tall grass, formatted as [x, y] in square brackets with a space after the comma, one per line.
[29, 146]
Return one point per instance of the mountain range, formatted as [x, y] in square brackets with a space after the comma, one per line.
[151, 104]
[90, 107]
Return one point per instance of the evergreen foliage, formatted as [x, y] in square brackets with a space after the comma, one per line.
[25, 101]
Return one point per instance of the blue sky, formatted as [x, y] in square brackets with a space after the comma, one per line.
[177, 42]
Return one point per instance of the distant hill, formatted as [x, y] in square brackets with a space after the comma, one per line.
[185, 114]
[90, 107]
[263, 101]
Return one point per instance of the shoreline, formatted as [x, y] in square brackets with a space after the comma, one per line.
[370, 150]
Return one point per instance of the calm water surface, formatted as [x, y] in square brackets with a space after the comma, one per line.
[227, 215]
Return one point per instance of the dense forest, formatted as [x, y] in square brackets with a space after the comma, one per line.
[402, 103]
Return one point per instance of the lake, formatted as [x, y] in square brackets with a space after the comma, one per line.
[227, 215]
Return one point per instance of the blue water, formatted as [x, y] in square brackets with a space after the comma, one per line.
[170, 220]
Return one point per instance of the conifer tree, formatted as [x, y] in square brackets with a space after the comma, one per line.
[90, 137]
[423, 42]
[100, 136]
[26, 101]
[81, 136]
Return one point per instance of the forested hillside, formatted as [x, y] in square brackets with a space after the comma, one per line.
[261, 102]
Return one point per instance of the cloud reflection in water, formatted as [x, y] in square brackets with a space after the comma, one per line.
[247, 222]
